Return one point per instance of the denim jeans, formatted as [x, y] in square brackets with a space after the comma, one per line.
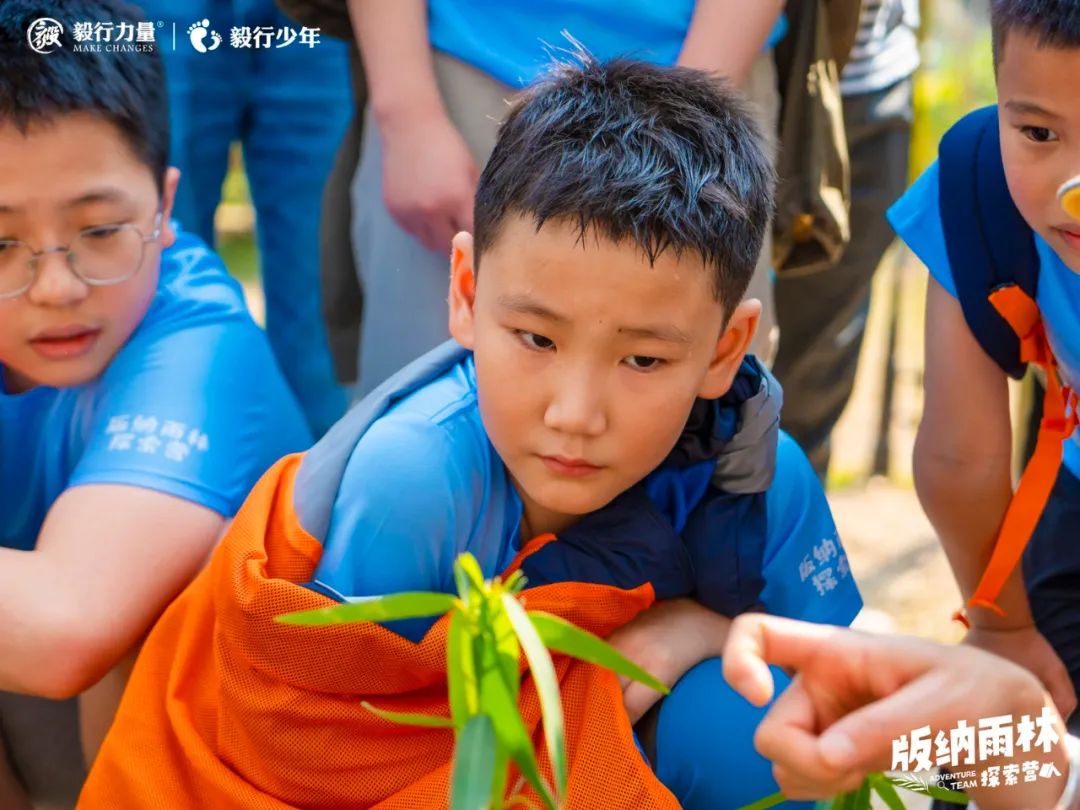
[288, 107]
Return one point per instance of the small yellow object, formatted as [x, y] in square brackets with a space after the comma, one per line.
[802, 229]
[1069, 196]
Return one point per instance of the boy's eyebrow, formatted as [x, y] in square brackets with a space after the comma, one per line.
[95, 195]
[1031, 108]
[528, 306]
[666, 332]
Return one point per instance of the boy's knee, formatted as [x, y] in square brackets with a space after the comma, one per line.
[705, 741]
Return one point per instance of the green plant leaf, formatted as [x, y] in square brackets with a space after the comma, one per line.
[461, 684]
[496, 700]
[471, 569]
[845, 801]
[412, 605]
[474, 764]
[506, 645]
[464, 587]
[502, 775]
[516, 581]
[861, 798]
[547, 687]
[562, 636]
[409, 719]
[886, 791]
[766, 803]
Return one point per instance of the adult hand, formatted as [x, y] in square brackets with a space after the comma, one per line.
[854, 693]
[429, 178]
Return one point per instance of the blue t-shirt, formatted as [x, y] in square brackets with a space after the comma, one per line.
[193, 405]
[916, 217]
[517, 40]
[424, 484]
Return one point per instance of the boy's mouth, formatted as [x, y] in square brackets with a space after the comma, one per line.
[569, 467]
[1071, 236]
[65, 343]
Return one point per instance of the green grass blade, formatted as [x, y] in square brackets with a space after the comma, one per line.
[562, 636]
[471, 569]
[474, 765]
[409, 719]
[502, 774]
[861, 797]
[461, 684]
[766, 803]
[380, 609]
[886, 791]
[547, 687]
[464, 588]
[506, 646]
[516, 581]
[497, 701]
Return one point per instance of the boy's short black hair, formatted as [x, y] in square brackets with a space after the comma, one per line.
[124, 88]
[663, 156]
[1053, 23]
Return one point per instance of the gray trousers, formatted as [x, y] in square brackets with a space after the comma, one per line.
[406, 285]
[822, 316]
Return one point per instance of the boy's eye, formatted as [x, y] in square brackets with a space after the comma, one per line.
[101, 232]
[535, 341]
[642, 362]
[1039, 134]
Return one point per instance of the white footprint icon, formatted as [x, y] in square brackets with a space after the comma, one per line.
[197, 32]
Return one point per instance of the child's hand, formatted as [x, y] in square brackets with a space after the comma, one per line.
[855, 693]
[1028, 647]
[667, 640]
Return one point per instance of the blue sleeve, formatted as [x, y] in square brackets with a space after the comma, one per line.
[401, 515]
[198, 412]
[916, 218]
[806, 568]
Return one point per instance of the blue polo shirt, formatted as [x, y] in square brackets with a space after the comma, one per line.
[916, 217]
[517, 40]
[424, 484]
[193, 405]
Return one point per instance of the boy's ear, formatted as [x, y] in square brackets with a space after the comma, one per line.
[168, 197]
[462, 289]
[731, 347]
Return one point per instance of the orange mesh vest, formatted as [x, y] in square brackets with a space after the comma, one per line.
[228, 709]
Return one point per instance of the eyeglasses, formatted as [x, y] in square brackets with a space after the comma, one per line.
[109, 254]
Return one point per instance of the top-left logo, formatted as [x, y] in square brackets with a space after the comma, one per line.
[43, 35]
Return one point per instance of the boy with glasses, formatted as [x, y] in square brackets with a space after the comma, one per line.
[138, 400]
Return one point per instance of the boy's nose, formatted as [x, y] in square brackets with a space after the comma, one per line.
[1069, 197]
[55, 284]
[577, 407]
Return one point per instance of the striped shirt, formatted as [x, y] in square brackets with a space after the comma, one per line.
[886, 47]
